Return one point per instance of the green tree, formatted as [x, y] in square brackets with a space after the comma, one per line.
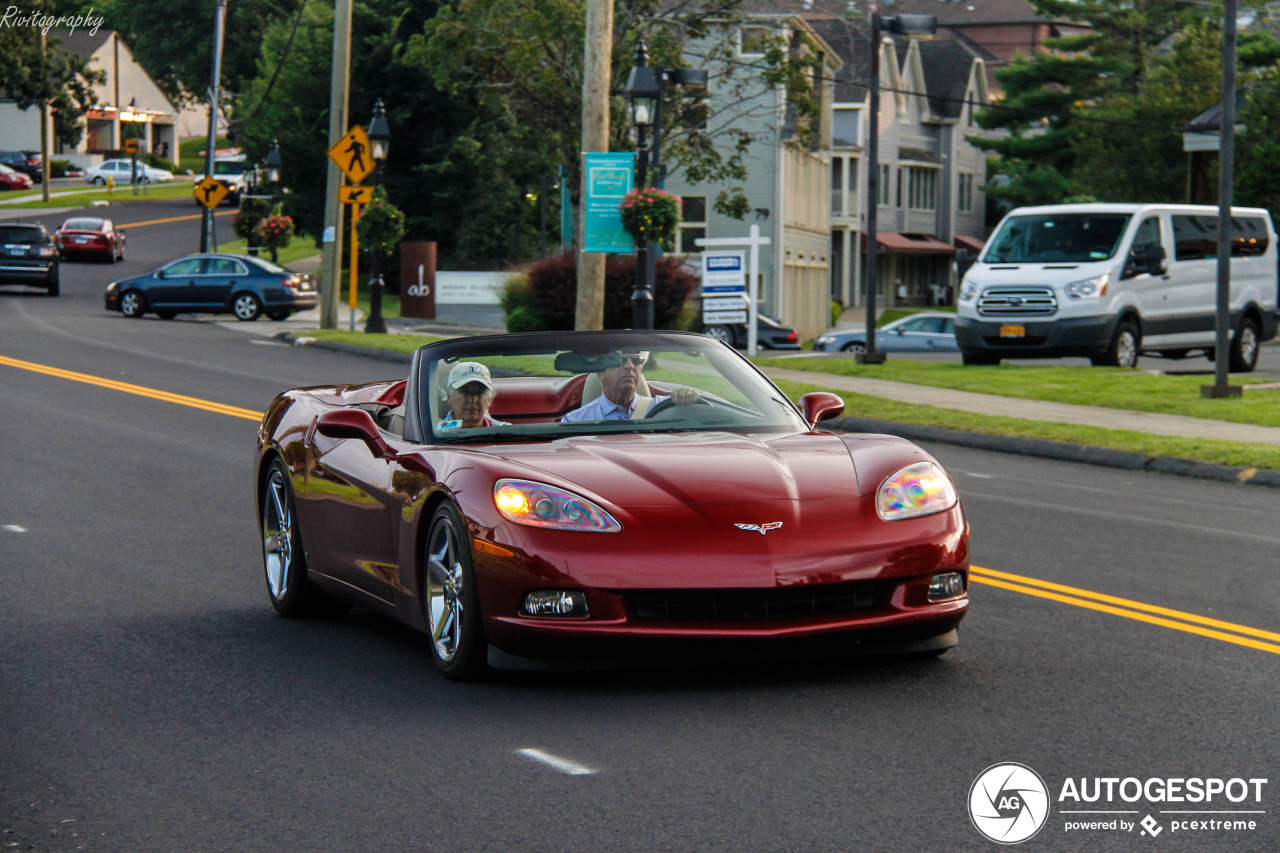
[1257, 180]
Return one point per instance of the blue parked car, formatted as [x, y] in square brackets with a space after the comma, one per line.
[214, 284]
[929, 331]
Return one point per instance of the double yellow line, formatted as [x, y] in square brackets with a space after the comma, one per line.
[125, 387]
[1228, 632]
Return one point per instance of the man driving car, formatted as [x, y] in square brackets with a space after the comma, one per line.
[620, 400]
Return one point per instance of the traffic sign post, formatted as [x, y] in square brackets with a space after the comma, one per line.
[353, 156]
[210, 192]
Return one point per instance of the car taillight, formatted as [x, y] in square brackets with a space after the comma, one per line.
[46, 251]
[791, 337]
[291, 281]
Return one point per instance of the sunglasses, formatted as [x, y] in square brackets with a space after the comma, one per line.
[638, 359]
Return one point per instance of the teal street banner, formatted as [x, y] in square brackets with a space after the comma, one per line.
[607, 178]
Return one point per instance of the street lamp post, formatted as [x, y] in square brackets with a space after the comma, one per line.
[908, 25]
[275, 168]
[380, 142]
[644, 105]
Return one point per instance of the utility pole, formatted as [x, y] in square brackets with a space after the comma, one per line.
[44, 118]
[597, 73]
[207, 243]
[1221, 387]
[330, 272]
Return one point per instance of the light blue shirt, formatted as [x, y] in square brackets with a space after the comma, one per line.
[604, 409]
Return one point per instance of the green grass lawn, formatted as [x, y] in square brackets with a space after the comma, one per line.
[296, 250]
[177, 188]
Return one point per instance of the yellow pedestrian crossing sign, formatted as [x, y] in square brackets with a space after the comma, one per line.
[353, 156]
[355, 195]
[210, 192]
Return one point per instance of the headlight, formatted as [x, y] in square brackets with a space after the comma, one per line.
[919, 489]
[112, 287]
[540, 505]
[826, 339]
[1090, 288]
[968, 290]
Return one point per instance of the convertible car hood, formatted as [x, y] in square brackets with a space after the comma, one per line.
[697, 468]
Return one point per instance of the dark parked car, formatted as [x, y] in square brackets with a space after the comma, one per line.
[83, 235]
[27, 256]
[214, 284]
[770, 334]
[25, 162]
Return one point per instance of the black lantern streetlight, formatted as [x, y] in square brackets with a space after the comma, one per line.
[912, 26]
[644, 108]
[380, 143]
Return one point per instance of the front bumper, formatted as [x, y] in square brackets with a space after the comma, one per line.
[1083, 336]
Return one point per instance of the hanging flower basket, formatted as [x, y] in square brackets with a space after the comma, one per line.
[381, 225]
[650, 215]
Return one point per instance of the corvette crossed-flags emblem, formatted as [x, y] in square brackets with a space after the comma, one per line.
[762, 529]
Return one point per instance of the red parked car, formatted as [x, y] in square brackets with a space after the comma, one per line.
[12, 179]
[82, 235]
[691, 508]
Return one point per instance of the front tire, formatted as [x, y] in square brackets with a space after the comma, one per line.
[246, 307]
[1123, 351]
[854, 347]
[450, 600]
[284, 562]
[99, 182]
[1244, 347]
[133, 304]
[720, 333]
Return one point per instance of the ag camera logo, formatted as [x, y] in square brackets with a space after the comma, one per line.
[1008, 803]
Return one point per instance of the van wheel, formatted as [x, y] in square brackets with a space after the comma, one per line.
[1123, 351]
[1244, 347]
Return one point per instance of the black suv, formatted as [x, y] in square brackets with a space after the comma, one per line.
[21, 161]
[27, 256]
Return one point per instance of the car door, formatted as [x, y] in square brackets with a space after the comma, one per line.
[913, 335]
[174, 285]
[216, 283]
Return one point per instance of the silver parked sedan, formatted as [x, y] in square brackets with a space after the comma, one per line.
[929, 331]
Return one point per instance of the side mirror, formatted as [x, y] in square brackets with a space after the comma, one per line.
[1155, 260]
[355, 424]
[161, 274]
[821, 406]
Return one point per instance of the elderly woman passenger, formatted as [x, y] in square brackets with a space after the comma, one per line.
[470, 390]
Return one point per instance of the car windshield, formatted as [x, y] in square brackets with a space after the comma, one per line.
[1057, 238]
[228, 167]
[82, 225]
[686, 382]
[31, 235]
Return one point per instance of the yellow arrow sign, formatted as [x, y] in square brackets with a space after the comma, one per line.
[210, 192]
[132, 146]
[353, 156]
[355, 195]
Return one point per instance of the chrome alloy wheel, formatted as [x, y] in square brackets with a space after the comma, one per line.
[1126, 349]
[277, 535]
[246, 307]
[446, 590]
[1248, 344]
[131, 304]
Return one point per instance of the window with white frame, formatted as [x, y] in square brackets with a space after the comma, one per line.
[752, 41]
[922, 188]
[693, 224]
[837, 186]
[964, 193]
[883, 191]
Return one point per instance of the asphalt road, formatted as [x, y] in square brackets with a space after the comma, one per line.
[151, 700]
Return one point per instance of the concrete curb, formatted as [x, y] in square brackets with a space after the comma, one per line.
[1081, 453]
[1043, 448]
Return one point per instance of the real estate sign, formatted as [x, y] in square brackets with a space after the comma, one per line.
[724, 287]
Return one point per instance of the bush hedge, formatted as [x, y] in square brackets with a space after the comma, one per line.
[554, 285]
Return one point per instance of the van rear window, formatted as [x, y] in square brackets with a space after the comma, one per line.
[1057, 238]
[1196, 237]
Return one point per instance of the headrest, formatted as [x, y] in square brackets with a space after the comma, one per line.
[594, 388]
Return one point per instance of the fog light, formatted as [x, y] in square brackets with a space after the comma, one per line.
[555, 603]
[946, 585]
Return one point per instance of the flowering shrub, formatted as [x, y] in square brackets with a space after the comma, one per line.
[275, 232]
[650, 215]
[381, 225]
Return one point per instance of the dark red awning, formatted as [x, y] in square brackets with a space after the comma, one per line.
[973, 244]
[890, 241]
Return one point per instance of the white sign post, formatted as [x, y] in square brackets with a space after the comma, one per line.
[753, 244]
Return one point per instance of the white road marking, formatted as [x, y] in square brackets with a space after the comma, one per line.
[262, 343]
[563, 765]
[14, 528]
[980, 476]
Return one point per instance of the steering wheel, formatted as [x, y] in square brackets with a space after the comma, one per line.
[670, 402]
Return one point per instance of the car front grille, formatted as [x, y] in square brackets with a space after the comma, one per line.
[753, 605]
[1017, 302]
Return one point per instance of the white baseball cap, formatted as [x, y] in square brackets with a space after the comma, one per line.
[465, 372]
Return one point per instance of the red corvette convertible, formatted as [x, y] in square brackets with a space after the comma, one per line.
[605, 493]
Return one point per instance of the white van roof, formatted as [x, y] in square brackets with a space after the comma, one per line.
[1130, 207]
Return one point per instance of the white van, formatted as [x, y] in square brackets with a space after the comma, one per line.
[1110, 281]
